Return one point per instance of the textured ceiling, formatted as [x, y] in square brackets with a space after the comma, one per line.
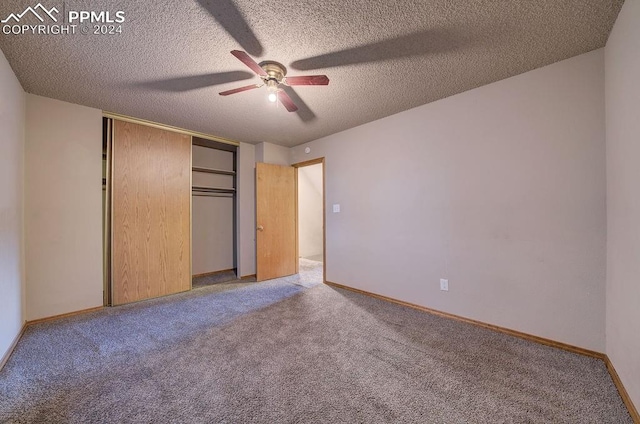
[382, 57]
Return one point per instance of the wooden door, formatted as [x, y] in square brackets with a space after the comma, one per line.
[276, 230]
[151, 205]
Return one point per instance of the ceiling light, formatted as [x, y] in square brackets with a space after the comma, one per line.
[272, 89]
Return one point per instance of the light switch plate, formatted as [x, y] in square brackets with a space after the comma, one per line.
[444, 284]
[336, 208]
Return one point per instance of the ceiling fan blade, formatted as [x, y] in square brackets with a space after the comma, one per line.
[194, 82]
[232, 20]
[286, 101]
[304, 112]
[414, 44]
[247, 60]
[308, 80]
[240, 90]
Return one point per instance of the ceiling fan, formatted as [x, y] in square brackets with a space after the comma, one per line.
[273, 75]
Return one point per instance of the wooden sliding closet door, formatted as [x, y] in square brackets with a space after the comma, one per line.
[151, 200]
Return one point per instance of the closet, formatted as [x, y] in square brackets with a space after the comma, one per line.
[170, 208]
[213, 212]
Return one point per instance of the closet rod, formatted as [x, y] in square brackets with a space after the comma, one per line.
[213, 189]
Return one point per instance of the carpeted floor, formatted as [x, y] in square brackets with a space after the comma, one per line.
[217, 278]
[317, 258]
[293, 351]
[310, 274]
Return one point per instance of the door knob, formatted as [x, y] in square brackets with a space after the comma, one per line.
[260, 228]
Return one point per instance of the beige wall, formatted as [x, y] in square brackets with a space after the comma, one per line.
[500, 189]
[622, 69]
[310, 210]
[63, 207]
[272, 153]
[247, 210]
[212, 217]
[12, 291]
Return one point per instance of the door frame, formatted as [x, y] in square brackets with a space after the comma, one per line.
[316, 161]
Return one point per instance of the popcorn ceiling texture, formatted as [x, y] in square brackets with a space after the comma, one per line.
[382, 57]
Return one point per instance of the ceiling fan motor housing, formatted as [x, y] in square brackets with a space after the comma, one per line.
[275, 71]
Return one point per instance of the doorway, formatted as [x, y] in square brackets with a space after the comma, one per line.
[311, 218]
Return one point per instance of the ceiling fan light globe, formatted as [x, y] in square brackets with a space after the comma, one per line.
[272, 97]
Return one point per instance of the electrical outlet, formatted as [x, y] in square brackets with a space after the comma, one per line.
[444, 284]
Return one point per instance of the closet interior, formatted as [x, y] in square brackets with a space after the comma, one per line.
[213, 212]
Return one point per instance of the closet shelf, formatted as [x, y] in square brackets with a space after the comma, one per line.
[213, 171]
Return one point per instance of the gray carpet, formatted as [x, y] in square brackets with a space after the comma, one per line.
[289, 351]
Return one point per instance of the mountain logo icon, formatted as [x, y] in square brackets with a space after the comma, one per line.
[34, 11]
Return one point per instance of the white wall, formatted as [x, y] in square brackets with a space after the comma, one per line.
[212, 217]
[246, 181]
[622, 69]
[310, 210]
[272, 153]
[63, 207]
[500, 189]
[12, 292]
